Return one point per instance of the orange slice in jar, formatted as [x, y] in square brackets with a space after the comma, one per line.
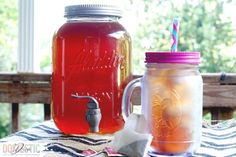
[168, 134]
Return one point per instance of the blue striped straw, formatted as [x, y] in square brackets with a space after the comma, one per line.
[174, 35]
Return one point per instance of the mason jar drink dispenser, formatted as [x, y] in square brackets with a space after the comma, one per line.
[91, 67]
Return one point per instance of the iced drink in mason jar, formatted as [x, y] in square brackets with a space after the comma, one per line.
[172, 86]
[171, 99]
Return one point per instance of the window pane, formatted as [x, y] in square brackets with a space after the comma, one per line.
[48, 17]
[8, 35]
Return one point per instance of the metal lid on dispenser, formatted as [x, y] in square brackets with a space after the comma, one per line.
[173, 57]
[86, 10]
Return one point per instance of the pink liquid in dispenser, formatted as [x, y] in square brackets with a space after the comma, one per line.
[90, 58]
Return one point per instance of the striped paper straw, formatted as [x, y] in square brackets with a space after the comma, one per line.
[174, 35]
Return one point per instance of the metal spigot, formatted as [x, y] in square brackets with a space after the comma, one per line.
[93, 112]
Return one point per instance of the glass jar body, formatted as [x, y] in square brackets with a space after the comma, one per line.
[91, 57]
[172, 105]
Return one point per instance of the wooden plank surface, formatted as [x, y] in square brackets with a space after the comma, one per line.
[25, 93]
[227, 78]
[219, 78]
[215, 94]
[25, 77]
[15, 117]
[47, 111]
[222, 113]
[215, 78]
[219, 95]
[224, 78]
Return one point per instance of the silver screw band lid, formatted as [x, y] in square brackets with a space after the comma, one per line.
[86, 10]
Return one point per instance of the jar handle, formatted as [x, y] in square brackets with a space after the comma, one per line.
[126, 99]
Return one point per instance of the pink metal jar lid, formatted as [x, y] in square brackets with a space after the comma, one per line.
[173, 57]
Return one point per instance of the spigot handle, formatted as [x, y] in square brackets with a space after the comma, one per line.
[93, 113]
[93, 104]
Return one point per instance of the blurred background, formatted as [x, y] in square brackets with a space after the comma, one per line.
[207, 26]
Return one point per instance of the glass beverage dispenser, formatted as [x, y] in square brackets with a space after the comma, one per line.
[91, 67]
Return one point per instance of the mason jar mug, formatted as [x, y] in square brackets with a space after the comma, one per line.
[171, 99]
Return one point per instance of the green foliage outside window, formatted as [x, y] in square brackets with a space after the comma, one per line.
[8, 35]
[203, 27]
[8, 40]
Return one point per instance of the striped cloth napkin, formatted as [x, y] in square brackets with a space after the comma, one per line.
[217, 141]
